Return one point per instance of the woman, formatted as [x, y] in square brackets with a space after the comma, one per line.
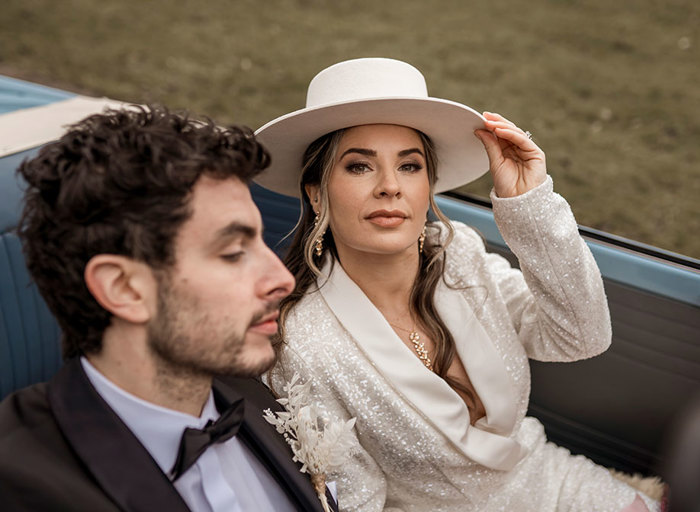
[410, 326]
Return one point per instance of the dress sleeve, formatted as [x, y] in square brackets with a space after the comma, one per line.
[556, 301]
[360, 481]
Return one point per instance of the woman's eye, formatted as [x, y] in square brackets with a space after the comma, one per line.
[357, 168]
[411, 167]
[232, 257]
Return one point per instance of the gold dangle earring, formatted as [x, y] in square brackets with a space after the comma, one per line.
[421, 240]
[318, 243]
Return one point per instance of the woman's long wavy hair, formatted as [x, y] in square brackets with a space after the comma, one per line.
[303, 263]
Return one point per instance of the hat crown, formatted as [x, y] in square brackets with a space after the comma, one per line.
[362, 79]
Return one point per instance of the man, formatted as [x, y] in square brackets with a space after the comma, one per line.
[141, 234]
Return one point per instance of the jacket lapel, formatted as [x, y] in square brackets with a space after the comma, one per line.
[122, 467]
[488, 442]
[268, 445]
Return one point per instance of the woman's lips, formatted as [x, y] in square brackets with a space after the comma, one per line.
[387, 218]
[387, 222]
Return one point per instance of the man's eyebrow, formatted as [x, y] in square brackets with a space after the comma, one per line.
[235, 229]
[362, 151]
[411, 151]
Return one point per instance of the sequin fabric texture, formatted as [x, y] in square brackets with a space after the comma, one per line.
[554, 310]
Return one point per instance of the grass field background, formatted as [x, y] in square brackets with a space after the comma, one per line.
[610, 89]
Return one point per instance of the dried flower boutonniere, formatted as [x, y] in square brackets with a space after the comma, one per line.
[318, 443]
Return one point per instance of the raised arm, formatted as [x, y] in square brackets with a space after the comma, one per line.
[556, 302]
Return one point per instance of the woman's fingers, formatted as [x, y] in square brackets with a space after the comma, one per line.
[494, 121]
[517, 163]
[516, 136]
[492, 117]
[500, 139]
[507, 132]
[492, 125]
[491, 144]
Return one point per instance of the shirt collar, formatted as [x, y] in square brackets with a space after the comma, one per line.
[159, 429]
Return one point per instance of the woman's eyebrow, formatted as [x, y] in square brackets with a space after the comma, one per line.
[411, 151]
[372, 152]
[362, 151]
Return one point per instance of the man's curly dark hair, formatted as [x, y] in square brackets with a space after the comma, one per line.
[118, 183]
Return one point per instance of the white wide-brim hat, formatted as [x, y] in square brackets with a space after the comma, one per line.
[374, 91]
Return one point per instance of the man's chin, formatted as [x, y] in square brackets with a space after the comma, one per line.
[252, 365]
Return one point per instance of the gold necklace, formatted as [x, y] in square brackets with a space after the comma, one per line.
[418, 346]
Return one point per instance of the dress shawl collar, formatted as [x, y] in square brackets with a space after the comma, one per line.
[488, 442]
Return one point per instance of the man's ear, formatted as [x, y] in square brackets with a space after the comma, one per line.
[313, 191]
[124, 287]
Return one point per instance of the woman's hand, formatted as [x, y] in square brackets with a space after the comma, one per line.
[516, 163]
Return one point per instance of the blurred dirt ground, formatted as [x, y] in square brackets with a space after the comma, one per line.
[610, 89]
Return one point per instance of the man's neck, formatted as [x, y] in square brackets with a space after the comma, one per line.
[126, 361]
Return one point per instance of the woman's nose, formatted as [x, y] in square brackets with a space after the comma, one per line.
[388, 184]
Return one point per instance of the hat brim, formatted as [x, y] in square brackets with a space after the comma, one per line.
[450, 125]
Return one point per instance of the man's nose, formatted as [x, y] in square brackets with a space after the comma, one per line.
[279, 282]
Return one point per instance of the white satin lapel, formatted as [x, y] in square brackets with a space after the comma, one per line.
[429, 394]
[482, 362]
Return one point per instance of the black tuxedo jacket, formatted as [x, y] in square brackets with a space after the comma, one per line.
[62, 448]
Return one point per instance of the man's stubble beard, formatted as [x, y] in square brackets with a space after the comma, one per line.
[178, 346]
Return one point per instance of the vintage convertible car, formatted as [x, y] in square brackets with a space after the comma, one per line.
[615, 408]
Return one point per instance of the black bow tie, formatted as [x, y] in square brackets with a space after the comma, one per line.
[195, 441]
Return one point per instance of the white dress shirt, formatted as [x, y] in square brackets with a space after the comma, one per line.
[226, 477]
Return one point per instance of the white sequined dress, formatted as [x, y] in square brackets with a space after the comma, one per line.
[415, 449]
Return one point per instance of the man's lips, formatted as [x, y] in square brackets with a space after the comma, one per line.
[266, 325]
[387, 218]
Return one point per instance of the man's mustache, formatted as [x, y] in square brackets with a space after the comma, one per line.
[270, 308]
